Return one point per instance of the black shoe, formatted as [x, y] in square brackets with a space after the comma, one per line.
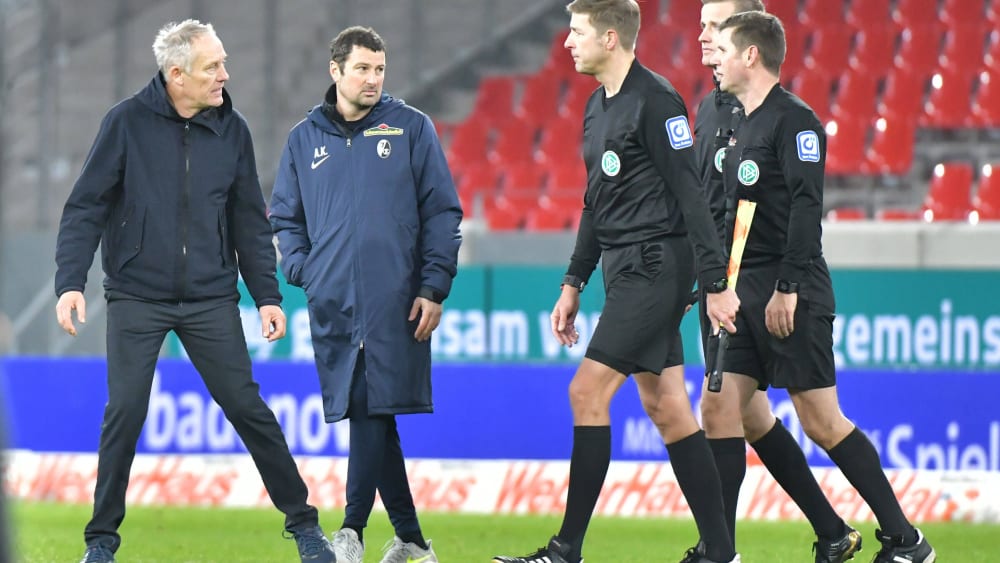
[313, 546]
[694, 554]
[839, 550]
[98, 554]
[893, 550]
[556, 552]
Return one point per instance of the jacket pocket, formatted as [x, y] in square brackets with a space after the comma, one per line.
[226, 244]
[130, 230]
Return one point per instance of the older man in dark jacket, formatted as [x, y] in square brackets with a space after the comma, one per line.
[170, 189]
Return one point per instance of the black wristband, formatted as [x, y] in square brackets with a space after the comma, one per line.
[785, 286]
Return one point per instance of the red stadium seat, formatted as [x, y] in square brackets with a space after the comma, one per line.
[947, 105]
[816, 13]
[469, 141]
[847, 214]
[964, 47]
[856, 95]
[786, 10]
[986, 106]
[559, 62]
[992, 57]
[831, 45]
[986, 203]
[504, 217]
[874, 49]
[897, 214]
[891, 150]
[919, 49]
[539, 99]
[495, 98]
[477, 178]
[845, 146]
[915, 12]
[560, 141]
[948, 197]
[866, 13]
[903, 94]
[962, 11]
[795, 50]
[568, 179]
[649, 11]
[578, 91]
[548, 217]
[523, 181]
[815, 90]
[515, 142]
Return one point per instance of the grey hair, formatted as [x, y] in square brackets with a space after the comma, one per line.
[172, 45]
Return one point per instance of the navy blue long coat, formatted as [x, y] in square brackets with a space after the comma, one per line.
[365, 223]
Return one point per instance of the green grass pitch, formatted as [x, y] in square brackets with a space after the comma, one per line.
[51, 533]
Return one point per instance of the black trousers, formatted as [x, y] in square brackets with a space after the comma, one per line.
[212, 334]
[375, 461]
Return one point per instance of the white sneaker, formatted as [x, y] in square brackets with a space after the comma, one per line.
[347, 546]
[398, 551]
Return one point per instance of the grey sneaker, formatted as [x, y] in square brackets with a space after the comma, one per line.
[893, 550]
[98, 554]
[313, 545]
[839, 550]
[348, 547]
[398, 551]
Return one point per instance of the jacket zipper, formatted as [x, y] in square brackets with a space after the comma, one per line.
[185, 202]
[357, 265]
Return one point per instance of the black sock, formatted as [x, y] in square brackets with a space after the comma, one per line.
[783, 457]
[588, 467]
[731, 460]
[357, 529]
[857, 459]
[414, 537]
[698, 478]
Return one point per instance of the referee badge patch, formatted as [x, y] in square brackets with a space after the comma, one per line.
[748, 172]
[807, 143]
[679, 132]
[610, 163]
[720, 158]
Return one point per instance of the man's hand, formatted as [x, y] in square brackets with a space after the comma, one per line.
[779, 316]
[68, 302]
[272, 322]
[430, 316]
[721, 309]
[564, 315]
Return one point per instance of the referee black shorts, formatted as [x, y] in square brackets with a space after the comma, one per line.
[804, 360]
[647, 285]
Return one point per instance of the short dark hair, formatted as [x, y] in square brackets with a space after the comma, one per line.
[740, 5]
[761, 30]
[355, 36]
[619, 15]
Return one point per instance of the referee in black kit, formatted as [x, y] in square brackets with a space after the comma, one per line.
[785, 338]
[646, 218]
[740, 410]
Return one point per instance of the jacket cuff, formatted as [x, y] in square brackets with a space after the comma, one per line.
[710, 276]
[432, 294]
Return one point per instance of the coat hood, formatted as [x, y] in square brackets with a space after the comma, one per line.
[154, 96]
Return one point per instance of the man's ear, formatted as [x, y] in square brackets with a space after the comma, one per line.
[611, 39]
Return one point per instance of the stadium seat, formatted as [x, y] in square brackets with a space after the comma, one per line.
[845, 146]
[986, 203]
[547, 217]
[866, 13]
[908, 13]
[947, 104]
[469, 141]
[897, 214]
[559, 63]
[560, 141]
[847, 214]
[522, 181]
[566, 179]
[992, 57]
[856, 95]
[891, 150]
[962, 11]
[577, 91]
[539, 99]
[795, 51]
[830, 48]
[964, 47]
[815, 90]
[817, 13]
[504, 217]
[649, 11]
[476, 178]
[903, 94]
[515, 142]
[874, 49]
[495, 98]
[986, 105]
[948, 198]
[919, 49]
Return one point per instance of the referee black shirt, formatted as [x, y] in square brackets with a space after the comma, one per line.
[713, 127]
[642, 178]
[776, 157]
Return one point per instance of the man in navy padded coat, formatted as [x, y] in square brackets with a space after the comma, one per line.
[170, 189]
[367, 220]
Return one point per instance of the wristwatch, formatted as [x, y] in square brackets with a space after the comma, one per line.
[574, 282]
[785, 286]
[718, 286]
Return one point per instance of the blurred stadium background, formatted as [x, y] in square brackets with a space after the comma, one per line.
[909, 91]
